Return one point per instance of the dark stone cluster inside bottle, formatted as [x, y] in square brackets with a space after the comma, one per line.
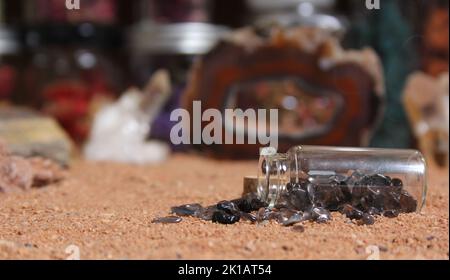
[353, 195]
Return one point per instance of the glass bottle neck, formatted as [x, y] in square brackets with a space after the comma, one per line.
[273, 175]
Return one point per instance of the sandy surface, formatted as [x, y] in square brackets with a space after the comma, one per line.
[106, 210]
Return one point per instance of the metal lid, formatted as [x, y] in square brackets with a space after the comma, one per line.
[175, 38]
[262, 6]
[288, 13]
[330, 23]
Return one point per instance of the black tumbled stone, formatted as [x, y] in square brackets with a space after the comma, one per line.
[390, 213]
[248, 217]
[391, 201]
[284, 214]
[396, 182]
[167, 220]
[351, 212]
[375, 180]
[407, 202]
[354, 179]
[320, 214]
[228, 206]
[187, 209]
[249, 202]
[293, 219]
[207, 213]
[263, 214]
[243, 204]
[298, 198]
[373, 211]
[367, 219]
[359, 196]
[222, 217]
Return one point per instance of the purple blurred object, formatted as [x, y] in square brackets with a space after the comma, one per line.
[161, 126]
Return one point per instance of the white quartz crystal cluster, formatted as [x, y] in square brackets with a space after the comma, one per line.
[119, 131]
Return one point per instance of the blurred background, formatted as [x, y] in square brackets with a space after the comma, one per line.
[67, 63]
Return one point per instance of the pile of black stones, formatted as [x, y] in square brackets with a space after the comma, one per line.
[359, 197]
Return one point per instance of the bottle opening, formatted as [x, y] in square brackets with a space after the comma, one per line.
[272, 175]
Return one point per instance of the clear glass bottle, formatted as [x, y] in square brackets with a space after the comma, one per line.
[368, 178]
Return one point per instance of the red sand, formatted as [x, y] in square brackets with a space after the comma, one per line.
[106, 210]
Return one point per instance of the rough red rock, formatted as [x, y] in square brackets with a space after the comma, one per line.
[18, 173]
